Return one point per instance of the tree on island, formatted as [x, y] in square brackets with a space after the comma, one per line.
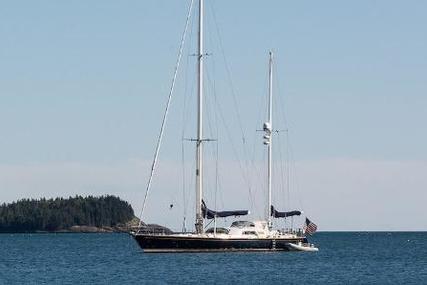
[32, 215]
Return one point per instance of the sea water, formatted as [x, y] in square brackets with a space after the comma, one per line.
[344, 258]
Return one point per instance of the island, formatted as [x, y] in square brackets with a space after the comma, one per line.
[77, 214]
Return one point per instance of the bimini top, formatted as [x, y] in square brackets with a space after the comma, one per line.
[211, 214]
[277, 214]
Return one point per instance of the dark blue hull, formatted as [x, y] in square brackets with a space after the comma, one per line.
[173, 243]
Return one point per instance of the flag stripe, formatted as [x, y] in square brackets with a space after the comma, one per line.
[310, 227]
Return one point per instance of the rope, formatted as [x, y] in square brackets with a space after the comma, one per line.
[165, 115]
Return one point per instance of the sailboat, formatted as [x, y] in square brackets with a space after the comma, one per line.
[240, 235]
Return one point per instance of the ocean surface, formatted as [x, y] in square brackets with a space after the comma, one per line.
[344, 258]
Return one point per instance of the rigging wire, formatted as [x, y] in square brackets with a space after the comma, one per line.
[165, 115]
[233, 146]
[228, 70]
[185, 116]
[213, 124]
[214, 128]
[236, 106]
[285, 174]
[288, 171]
[184, 226]
[284, 171]
[292, 182]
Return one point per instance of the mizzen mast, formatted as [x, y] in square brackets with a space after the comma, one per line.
[268, 139]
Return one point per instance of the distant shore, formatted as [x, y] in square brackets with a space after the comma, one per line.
[131, 226]
[76, 229]
[78, 214]
[103, 214]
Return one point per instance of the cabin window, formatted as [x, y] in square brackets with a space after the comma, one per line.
[249, 233]
[218, 231]
[242, 224]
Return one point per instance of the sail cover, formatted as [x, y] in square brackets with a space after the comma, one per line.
[210, 214]
[278, 214]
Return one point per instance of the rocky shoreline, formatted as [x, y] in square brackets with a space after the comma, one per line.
[129, 227]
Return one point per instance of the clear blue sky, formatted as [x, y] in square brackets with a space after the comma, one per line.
[83, 85]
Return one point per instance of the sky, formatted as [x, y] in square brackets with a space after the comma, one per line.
[83, 85]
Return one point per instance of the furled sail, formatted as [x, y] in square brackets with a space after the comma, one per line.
[278, 214]
[210, 214]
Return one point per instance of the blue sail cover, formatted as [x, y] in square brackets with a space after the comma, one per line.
[278, 214]
[211, 214]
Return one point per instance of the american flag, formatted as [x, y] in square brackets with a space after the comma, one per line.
[310, 227]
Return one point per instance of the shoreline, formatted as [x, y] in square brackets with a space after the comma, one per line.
[75, 230]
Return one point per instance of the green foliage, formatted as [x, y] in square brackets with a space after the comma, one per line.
[60, 214]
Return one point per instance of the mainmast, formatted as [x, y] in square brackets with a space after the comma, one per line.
[199, 142]
[268, 129]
